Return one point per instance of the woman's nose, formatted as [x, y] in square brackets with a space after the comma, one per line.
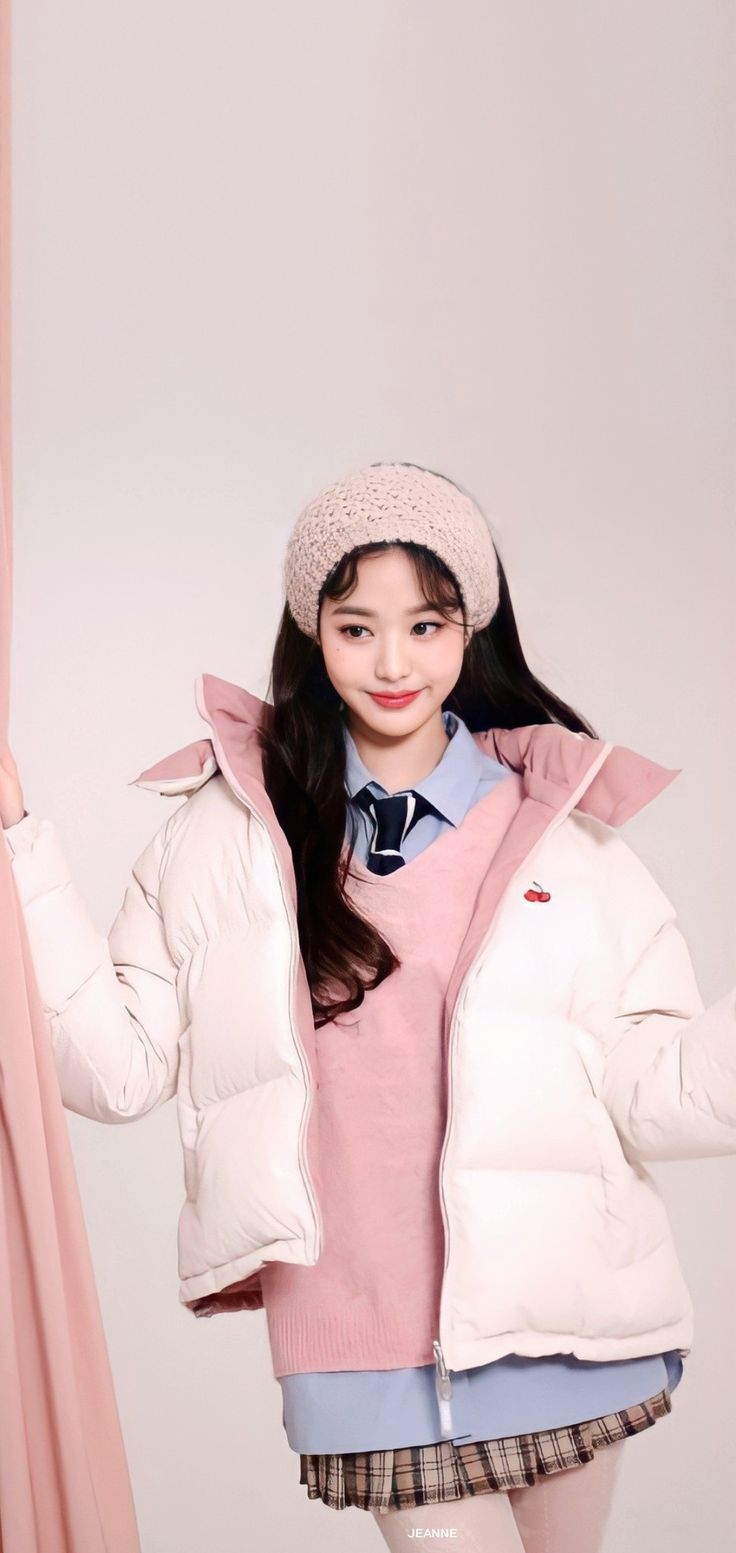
[393, 661]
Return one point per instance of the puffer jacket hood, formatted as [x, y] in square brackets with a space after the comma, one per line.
[608, 781]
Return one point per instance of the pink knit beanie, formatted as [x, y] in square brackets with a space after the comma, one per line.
[391, 501]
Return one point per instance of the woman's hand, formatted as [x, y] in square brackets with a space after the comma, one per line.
[11, 792]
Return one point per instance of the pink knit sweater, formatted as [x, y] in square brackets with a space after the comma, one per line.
[372, 1299]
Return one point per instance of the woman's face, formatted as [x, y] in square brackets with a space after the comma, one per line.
[385, 639]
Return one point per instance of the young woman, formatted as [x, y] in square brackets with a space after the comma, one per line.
[426, 1017]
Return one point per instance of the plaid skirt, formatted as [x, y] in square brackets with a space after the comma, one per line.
[431, 1474]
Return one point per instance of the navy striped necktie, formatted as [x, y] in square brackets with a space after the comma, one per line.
[393, 818]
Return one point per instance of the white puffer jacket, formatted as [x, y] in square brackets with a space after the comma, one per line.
[579, 1047]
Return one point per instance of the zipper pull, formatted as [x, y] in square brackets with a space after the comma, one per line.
[443, 1388]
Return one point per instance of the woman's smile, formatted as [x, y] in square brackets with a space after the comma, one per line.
[400, 698]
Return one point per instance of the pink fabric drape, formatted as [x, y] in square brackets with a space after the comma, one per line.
[64, 1483]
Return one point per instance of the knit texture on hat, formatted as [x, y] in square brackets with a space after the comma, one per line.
[390, 502]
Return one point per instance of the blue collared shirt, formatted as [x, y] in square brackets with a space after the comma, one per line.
[462, 776]
[362, 1410]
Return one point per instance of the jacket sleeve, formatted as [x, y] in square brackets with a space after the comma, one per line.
[669, 1079]
[111, 1003]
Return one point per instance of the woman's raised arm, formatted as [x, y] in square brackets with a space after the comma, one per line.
[112, 1002]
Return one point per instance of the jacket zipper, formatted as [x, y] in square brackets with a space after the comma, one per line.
[442, 1380]
[443, 1389]
[308, 1085]
[294, 937]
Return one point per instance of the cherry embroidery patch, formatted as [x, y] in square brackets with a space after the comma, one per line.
[538, 894]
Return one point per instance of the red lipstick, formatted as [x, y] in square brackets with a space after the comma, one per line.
[398, 700]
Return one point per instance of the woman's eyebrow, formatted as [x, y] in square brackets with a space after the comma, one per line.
[354, 609]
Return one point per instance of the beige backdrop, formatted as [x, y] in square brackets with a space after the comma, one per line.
[254, 246]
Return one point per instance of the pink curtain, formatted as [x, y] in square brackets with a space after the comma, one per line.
[64, 1484]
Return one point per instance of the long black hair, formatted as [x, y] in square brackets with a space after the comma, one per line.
[304, 764]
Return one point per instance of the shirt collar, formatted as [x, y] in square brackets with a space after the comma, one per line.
[449, 787]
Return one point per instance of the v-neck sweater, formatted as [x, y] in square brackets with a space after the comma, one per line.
[372, 1300]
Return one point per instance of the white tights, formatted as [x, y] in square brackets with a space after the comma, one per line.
[565, 1512]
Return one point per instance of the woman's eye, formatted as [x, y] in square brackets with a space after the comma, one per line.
[434, 623]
